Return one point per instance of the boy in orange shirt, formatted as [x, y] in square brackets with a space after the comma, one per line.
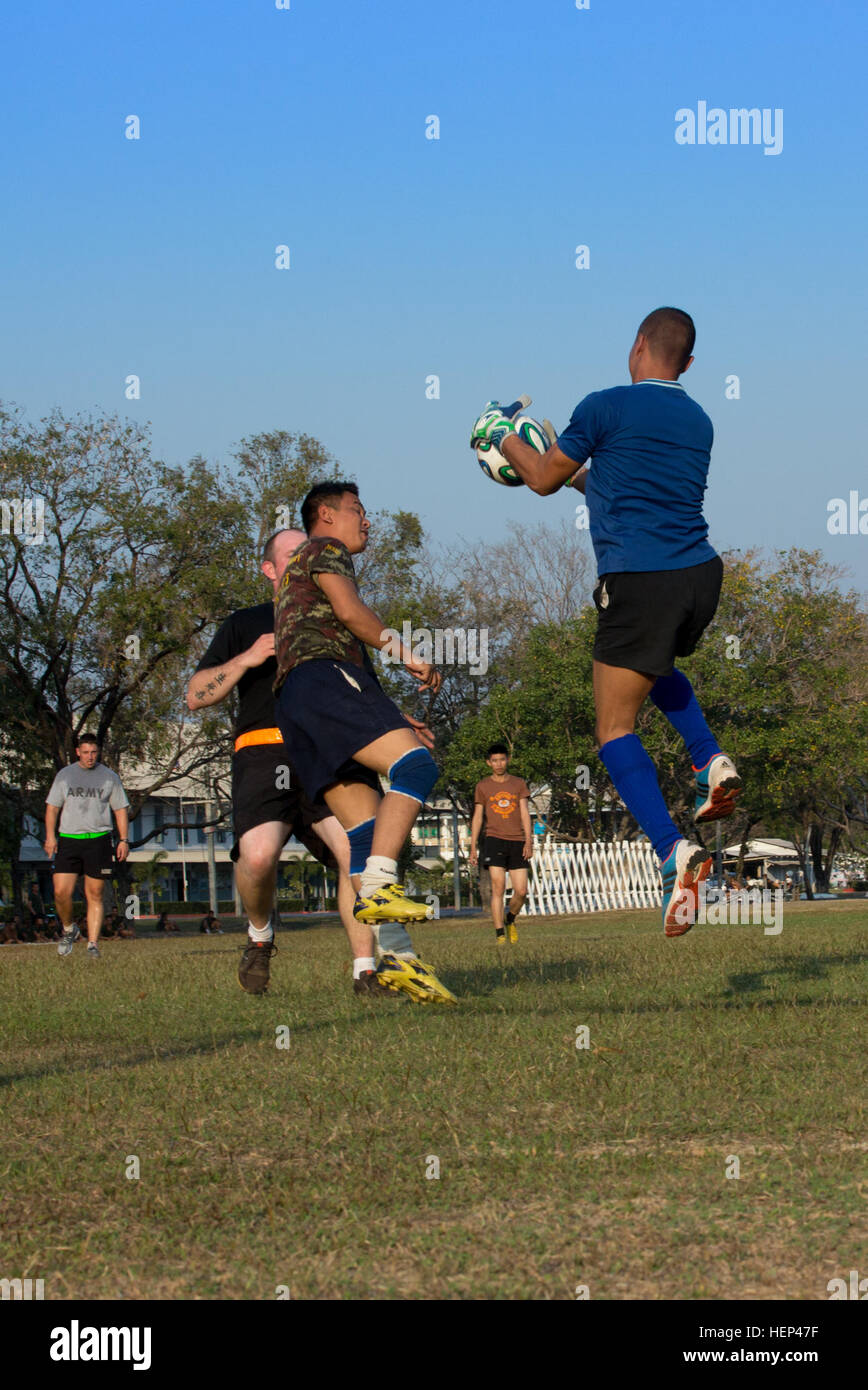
[503, 801]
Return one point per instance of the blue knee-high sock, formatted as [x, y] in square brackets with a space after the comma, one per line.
[635, 779]
[673, 695]
[361, 839]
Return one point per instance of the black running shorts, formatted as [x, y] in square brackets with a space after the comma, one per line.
[645, 620]
[503, 854]
[259, 794]
[92, 857]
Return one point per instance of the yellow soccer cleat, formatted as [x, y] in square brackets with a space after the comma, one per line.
[513, 933]
[406, 974]
[390, 904]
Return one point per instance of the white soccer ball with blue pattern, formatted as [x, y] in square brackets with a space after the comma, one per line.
[496, 467]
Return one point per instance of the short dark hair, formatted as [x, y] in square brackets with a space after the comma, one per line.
[86, 738]
[497, 748]
[671, 333]
[330, 493]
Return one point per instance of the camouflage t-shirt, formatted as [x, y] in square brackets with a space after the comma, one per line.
[305, 625]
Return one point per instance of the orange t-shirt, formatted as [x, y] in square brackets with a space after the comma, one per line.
[501, 801]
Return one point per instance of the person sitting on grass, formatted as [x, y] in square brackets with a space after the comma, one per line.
[164, 924]
[39, 929]
[9, 933]
[110, 925]
[210, 925]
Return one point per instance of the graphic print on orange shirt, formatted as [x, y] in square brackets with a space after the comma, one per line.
[502, 803]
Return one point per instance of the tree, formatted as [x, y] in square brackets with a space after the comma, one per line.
[107, 608]
[781, 675]
[148, 875]
[783, 679]
[99, 617]
[276, 471]
[546, 719]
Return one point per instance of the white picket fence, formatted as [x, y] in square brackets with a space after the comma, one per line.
[592, 877]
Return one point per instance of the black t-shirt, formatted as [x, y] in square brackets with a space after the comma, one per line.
[256, 703]
[255, 695]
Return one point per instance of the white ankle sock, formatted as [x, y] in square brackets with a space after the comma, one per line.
[361, 964]
[379, 871]
[260, 933]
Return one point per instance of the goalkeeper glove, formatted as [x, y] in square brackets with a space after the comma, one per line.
[491, 428]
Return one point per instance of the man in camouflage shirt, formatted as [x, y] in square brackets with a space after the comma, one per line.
[306, 624]
[341, 730]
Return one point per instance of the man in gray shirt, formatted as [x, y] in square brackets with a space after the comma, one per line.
[84, 797]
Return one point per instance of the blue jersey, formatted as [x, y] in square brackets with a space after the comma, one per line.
[650, 446]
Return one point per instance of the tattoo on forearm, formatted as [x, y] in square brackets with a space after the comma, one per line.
[210, 687]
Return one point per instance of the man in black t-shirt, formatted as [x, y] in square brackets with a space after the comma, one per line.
[268, 804]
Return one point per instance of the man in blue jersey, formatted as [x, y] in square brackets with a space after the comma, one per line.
[659, 579]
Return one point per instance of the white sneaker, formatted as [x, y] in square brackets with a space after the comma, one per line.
[718, 786]
[683, 871]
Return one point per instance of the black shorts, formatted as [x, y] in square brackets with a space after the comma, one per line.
[327, 711]
[93, 858]
[645, 620]
[259, 794]
[503, 854]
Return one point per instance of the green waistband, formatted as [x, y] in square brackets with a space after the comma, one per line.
[85, 834]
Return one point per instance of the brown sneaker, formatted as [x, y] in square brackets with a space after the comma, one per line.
[255, 966]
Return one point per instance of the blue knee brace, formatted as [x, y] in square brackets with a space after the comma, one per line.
[361, 839]
[414, 774]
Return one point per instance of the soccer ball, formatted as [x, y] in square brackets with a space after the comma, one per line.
[495, 466]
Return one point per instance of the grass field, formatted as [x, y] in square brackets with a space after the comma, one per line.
[306, 1166]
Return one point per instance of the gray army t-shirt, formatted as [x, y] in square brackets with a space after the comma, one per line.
[87, 796]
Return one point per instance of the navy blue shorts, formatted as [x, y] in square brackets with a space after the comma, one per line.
[327, 711]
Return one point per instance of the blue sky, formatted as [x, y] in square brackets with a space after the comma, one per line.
[454, 257]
